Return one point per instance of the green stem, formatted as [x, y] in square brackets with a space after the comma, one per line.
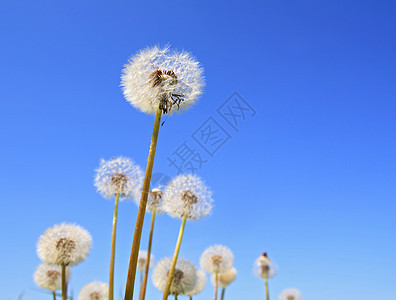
[266, 288]
[64, 287]
[142, 209]
[112, 255]
[175, 296]
[191, 298]
[216, 284]
[146, 271]
[222, 293]
[53, 295]
[174, 259]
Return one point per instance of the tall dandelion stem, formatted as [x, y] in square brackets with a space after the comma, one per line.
[222, 293]
[142, 209]
[112, 255]
[143, 289]
[64, 287]
[174, 259]
[266, 288]
[216, 284]
[53, 295]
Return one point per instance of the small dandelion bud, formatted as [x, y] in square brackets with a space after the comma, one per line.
[199, 284]
[264, 267]
[224, 279]
[142, 259]
[184, 276]
[64, 244]
[217, 259]
[154, 201]
[94, 291]
[49, 277]
[162, 78]
[119, 176]
[187, 195]
[290, 294]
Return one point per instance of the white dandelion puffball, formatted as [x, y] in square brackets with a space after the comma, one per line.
[217, 259]
[50, 277]
[199, 284]
[66, 244]
[142, 259]
[184, 276]
[119, 176]
[224, 279]
[162, 78]
[290, 294]
[187, 195]
[94, 291]
[264, 267]
[155, 201]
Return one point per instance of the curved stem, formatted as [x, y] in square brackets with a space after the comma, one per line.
[144, 284]
[64, 287]
[112, 255]
[216, 284]
[266, 288]
[142, 209]
[174, 259]
[222, 293]
[53, 295]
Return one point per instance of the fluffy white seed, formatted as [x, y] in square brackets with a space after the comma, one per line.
[155, 201]
[187, 195]
[142, 259]
[94, 291]
[119, 175]
[184, 276]
[50, 277]
[66, 244]
[199, 284]
[217, 259]
[224, 279]
[264, 267]
[162, 77]
[290, 294]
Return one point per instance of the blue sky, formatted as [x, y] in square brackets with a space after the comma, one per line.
[309, 177]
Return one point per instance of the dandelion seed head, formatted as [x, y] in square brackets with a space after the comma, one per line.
[162, 78]
[187, 195]
[119, 176]
[184, 276]
[199, 284]
[66, 244]
[142, 259]
[154, 201]
[224, 279]
[49, 277]
[264, 267]
[94, 291]
[217, 259]
[290, 294]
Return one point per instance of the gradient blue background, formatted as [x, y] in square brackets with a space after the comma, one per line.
[310, 178]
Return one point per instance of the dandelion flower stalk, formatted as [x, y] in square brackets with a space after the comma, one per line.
[142, 209]
[185, 197]
[155, 196]
[174, 259]
[117, 178]
[224, 280]
[265, 268]
[112, 255]
[157, 81]
[64, 245]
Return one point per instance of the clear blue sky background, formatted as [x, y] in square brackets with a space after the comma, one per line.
[310, 178]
